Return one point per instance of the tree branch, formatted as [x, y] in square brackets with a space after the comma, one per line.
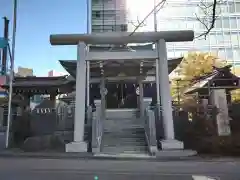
[209, 20]
[135, 24]
[159, 5]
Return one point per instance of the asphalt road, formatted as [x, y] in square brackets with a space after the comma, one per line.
[79, 169]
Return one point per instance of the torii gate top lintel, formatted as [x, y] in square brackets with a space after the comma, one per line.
[121, 37]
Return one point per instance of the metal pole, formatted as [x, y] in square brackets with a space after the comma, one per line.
[5, 50]
[11, 71]
[88, 16]
[88, 63]
[1, 56]
[157, 47]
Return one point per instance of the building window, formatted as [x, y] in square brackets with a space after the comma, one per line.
[113, 28]
[219, 39]
[123, 27]
[234, 39]
[233, 23]
[213, 39]
[221, 54]
[229, 54]
[236, 54]
[108, 28]
[97, 28]
[218, 23]
[231, 7]
[227, 38]
[109, 14]
[226, 23]
[96, 14]
[224, 8]
[237, 6]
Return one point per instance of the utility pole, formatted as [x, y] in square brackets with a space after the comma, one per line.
[157, 48]
[5, 50]
[88, 63]
[11, 72]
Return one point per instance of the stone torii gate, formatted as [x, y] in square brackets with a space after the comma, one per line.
[162, 81]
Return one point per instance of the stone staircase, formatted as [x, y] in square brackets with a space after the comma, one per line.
[123, 133]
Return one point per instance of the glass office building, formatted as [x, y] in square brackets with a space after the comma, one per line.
[222, 40]
[120, 15]
[108, 16]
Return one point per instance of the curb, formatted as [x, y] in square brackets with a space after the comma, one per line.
[90, 156]
[45, 155]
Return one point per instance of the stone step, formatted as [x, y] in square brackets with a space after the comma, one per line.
[132, 119]
[121, 114]
[123, 124]
[139, 137]
[133, 155]
[123, 130]
[123, 149]
[126, 130]
[119, 127]
[126, 147]
[121, 141]
[123, 136]
[124, 143]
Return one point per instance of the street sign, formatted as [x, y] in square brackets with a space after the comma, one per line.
[3, 42]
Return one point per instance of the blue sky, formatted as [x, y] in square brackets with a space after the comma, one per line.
[37, 19]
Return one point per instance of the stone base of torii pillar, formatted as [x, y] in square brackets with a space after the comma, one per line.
[76, 147]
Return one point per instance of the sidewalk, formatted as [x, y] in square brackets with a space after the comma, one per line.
[13, 153]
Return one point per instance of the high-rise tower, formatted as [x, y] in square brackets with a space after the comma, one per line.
[108, 16]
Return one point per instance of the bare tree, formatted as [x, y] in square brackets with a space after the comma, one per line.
[210, 14]
[136, 22]
[159, 6]
[208, 19]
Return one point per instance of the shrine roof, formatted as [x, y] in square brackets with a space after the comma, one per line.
[33, 81]
[41, 85]
[218, 78]
[113, 68]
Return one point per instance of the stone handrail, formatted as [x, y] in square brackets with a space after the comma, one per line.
[150, 130]
[97, 129]
[89, 115]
